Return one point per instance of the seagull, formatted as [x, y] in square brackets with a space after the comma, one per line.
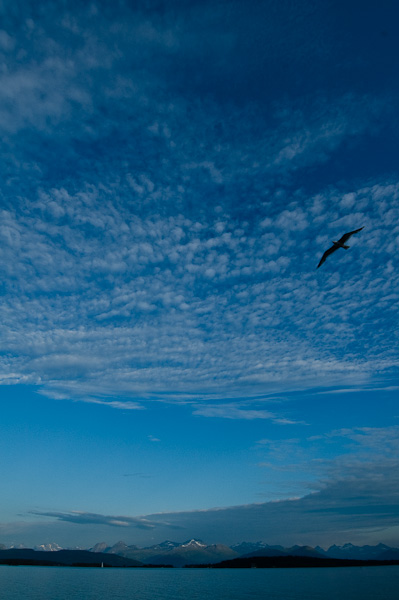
[339, 244]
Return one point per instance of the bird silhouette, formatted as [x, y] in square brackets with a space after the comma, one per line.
[339, 244]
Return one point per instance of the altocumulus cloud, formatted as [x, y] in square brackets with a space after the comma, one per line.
[103, 300]
[131, 266]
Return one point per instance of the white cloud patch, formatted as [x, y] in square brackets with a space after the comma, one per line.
[232, 412]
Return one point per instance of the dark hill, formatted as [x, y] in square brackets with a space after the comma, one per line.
[68, 558]
[284, 562]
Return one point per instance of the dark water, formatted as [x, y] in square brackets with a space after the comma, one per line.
[57, 583]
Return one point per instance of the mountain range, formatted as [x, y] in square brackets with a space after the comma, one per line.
[195, 552]
[172, 553]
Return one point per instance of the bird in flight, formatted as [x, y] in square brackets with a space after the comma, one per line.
[339, 244]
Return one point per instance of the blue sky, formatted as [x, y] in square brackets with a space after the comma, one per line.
[172, 364]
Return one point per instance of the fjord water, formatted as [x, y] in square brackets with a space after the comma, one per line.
[69, 583]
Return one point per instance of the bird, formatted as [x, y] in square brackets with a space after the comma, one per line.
[339, 244]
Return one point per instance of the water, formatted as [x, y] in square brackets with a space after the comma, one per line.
[68, 583]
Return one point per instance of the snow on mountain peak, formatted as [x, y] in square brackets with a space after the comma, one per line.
[51, 547]
[194, 543]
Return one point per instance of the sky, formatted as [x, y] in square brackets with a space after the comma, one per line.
[172, 363]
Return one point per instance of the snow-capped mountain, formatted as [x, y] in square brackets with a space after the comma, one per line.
[166, 545]
[51, 547]
[193, 544]
[307, 551]
[195, 551]
[172, 553]
[346, 551]
[248, 547]
[378, 552]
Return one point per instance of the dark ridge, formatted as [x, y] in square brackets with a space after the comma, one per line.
[64, 558]
[289, 562]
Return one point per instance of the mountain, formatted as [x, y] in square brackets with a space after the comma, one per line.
[196, 552]
[193, 552]
[347, 551]
[248, 547]
[121, 548]
[305, 551]
[48, 548]
[181, 555]
[264, 552]
[391, 554]
[100, 547]
[166, 545]
[377, 552]
[173, 553]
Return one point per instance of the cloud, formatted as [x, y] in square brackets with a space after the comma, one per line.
[129, 265]
[166, 198]
[334, 487]
[126, 405]
[389, 388]
[359, 506]
[231, 412]
[238, 411]
[86, 518]
[355, 498]
[126, 323]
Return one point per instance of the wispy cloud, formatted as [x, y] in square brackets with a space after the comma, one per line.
[232, 412]
[388, 388]
[126, 405]
[354, 496]
[351, 506]
[238, 411]
[86, 518]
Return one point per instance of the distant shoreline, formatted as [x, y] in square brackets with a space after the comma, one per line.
[258, 562]
[293, 562]
[44, 563]
[68, 558]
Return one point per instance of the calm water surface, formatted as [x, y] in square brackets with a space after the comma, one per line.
[57, 583]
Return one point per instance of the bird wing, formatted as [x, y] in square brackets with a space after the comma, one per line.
[327, 253]
[346, 236]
